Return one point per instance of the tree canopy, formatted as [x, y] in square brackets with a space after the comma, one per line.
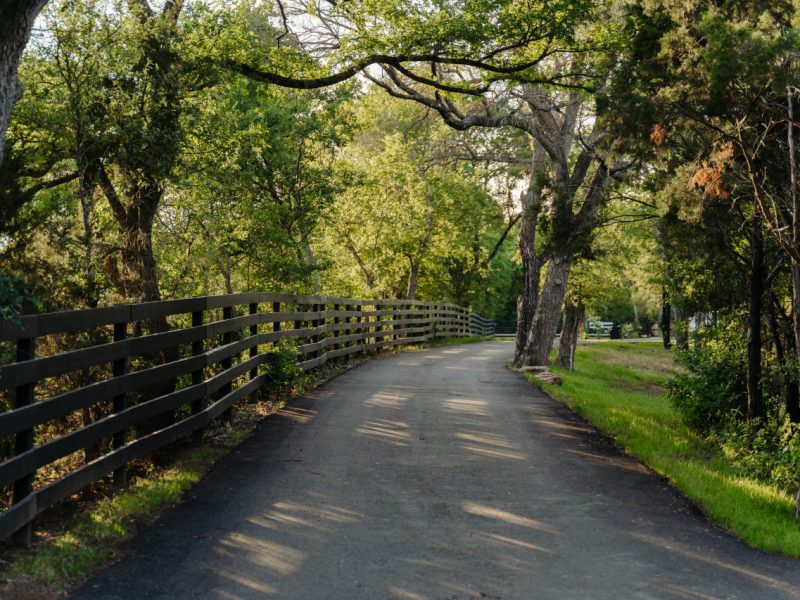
[547, 163]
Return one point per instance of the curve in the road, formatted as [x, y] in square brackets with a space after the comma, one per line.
[436, 474]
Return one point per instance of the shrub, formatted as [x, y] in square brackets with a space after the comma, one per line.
[712, 387]
[282, 367]
[767, 450]
[15, 298]
[630, 330]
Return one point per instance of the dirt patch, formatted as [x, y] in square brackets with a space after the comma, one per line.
[649, 388]
[639, 357]
[27, 588]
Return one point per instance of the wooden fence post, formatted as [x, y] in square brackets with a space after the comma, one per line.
[254, 350]
[336, 321]
[298, 324]
[23, 441]
[227, 338]
[379, 327]
[315, 323]
[120, 402]
[395, 317]
[348, 320]
[359, 326]
[197, 375]
[276, 308]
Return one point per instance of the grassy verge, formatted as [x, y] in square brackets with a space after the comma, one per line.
[99, 535]
[619, 387]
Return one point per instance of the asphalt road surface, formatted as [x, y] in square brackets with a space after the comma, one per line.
[436, 474]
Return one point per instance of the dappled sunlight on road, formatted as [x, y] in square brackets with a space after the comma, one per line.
[265, 550]
[404, 593]
[387, 398]
[246, 582]
[454, 367]
[393, 432]
[277, 558]
[298, 415]
[478, 408]
[490, 445]
[678, 591]
[493, 452]
[508, 541]
[443, 475]
[489, 439]
[481, 510]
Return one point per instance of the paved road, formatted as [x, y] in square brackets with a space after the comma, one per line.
[435, 474]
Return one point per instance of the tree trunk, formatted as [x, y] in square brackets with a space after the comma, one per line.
[529, 294]
[573, 318]
[413, 274]
[666, 318]
[369, 278]
[86, 199]
[225, 268]
[681, 328]
[531, 261]
[755, 400]
[311, 260]
[796, 304]
[138, 260]
[16, 22]
[795, 240]
[791, 391]
[545, 321]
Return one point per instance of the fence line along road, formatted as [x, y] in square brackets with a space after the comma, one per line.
[120, 382]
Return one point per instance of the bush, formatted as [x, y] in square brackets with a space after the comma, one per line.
[768, 450]
[712, 389]
[15, 298]
[282, 367]
[630, 330]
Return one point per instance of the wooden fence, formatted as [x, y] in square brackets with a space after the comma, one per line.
[148, 390]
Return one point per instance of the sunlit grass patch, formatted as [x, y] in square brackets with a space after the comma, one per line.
[98, 535]
[618, 387]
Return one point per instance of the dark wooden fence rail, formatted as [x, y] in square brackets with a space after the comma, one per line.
[215, 353]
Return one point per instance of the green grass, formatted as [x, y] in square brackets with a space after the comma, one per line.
[98, 535]
[618, 387]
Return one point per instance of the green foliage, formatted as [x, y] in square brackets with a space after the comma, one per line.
[98, 534]
[764, 450]
[15, 297]
[282, 369]
[407, 210]
[712, 386]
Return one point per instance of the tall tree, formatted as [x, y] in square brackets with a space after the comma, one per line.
[16, 23]
[476, 58]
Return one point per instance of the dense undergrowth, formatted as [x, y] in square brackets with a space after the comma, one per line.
[710, 393]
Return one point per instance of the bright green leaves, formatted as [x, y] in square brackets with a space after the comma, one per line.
[410, 209]
[741, 57]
